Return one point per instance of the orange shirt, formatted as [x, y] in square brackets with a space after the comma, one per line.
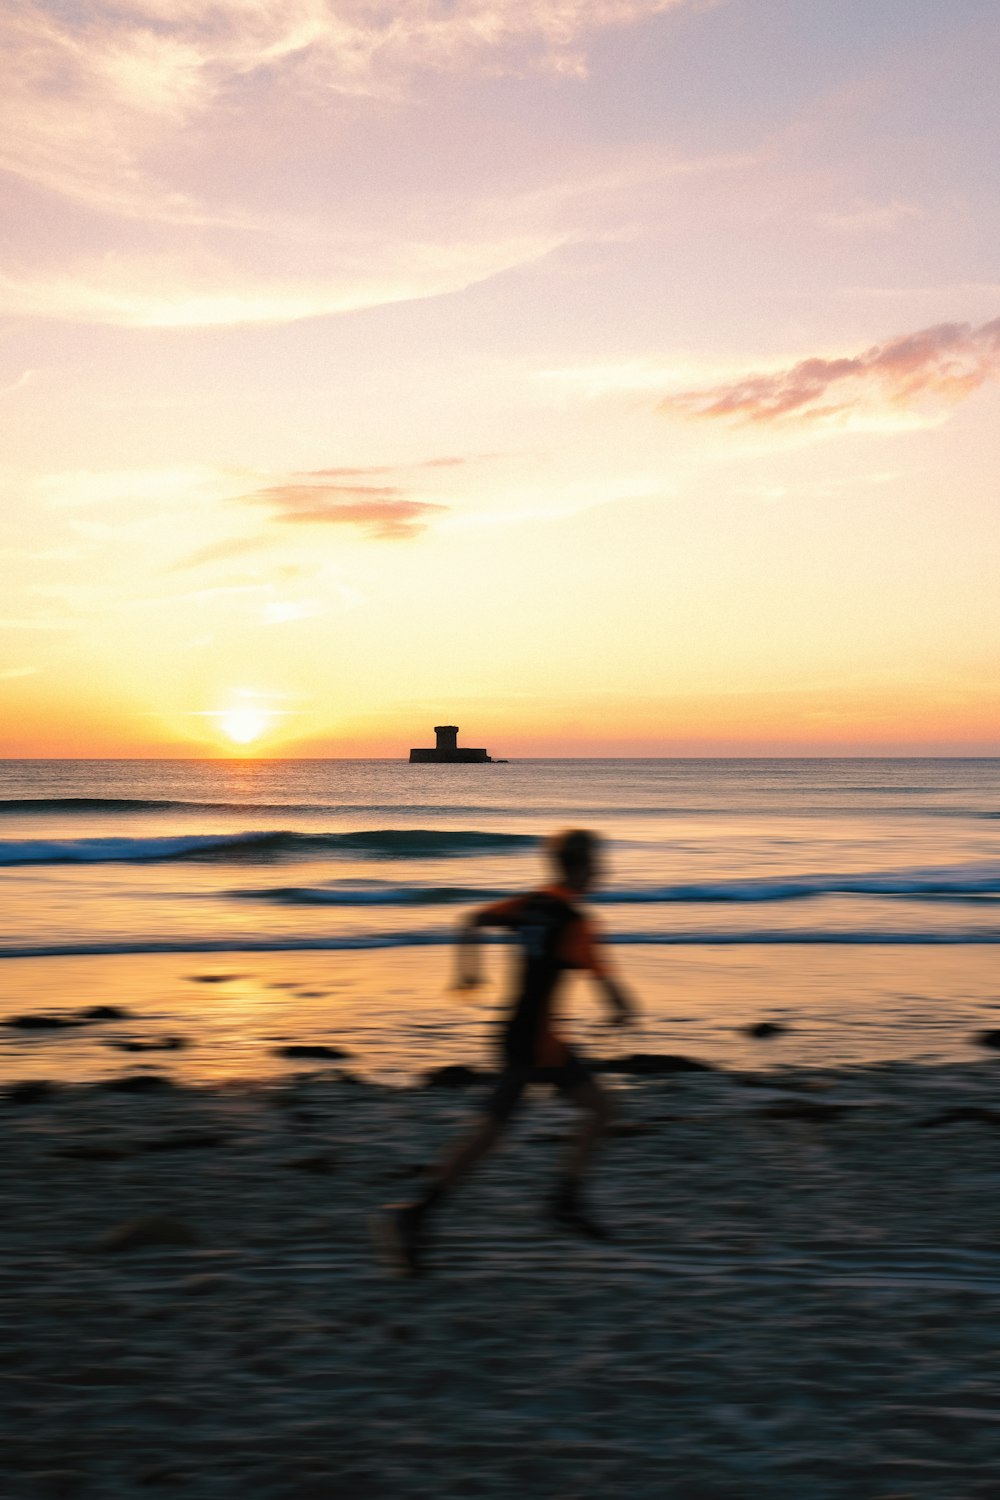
[580, 947]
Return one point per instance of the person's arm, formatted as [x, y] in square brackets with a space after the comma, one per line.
[618, 999]
[587, 954]
[468, 967]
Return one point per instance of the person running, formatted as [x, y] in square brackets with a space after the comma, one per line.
[553, 935]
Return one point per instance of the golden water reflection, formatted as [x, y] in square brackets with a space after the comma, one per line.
[392, 1010]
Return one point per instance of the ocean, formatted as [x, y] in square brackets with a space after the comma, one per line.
[777, 880]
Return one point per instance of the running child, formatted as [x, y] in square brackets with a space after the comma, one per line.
[553, 935]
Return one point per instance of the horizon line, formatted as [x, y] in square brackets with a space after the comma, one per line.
[509, 760]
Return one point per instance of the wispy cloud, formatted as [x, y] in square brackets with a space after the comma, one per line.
[91, 93]
[343, 495]
[925, 371]
[362, 268]
[11, 674]
[152, 109]
[385, 511]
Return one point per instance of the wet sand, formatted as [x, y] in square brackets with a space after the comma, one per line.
[393, 1012]
[803, 1300]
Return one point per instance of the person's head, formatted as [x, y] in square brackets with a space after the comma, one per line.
[575, 853]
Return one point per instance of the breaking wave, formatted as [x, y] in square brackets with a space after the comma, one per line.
[558, 810]
[168, 804]
[957, 882]
[367, 893]
[391, 843]
[348, 942]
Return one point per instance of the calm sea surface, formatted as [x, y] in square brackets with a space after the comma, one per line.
[161, 857]
[102, 856]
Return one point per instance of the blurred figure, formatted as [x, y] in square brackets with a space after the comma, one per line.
[553, 935]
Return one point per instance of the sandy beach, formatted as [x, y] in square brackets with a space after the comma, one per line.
[802, 1300]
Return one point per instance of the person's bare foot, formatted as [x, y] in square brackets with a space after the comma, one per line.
[398, 1236]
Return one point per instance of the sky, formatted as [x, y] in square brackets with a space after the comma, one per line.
[603, 376]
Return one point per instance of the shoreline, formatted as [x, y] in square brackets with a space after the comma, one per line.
[210, 1018]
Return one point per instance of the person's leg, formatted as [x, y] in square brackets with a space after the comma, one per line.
[597, 1116]
[567, 1208]
[471, 1148]
[400, 1233]
[463, 1156]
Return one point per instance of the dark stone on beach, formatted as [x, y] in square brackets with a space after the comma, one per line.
[158, 1044]
[142, 1234]
[989, 1039]
[40, 1022]
[137, 1083]
[764, 1029]
[311, 1049]
[963, 1114]
[186, 1140]
[650, 1064]
[800, 1109]
[455, 1076]
[214, 978]
[30, 1091]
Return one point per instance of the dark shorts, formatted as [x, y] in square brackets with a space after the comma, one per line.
[515, 1078]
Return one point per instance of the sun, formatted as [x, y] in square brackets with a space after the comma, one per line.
[244, 724]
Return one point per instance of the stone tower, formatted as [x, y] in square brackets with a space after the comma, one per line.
[447, 751]
[447, 738]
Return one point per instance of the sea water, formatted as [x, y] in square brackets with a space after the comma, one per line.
[882, 859]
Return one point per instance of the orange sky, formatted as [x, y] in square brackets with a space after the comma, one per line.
[606, 377]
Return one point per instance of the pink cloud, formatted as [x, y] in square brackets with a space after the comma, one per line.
[383, 510]
[940, 365]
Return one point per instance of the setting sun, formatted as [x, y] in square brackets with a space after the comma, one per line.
[244, 724]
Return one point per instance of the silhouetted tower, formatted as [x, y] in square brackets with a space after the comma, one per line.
[447, 751]
[447, 738]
